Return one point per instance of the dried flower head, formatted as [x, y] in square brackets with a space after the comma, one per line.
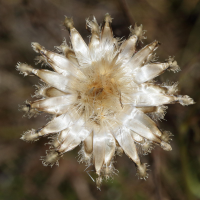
[102, 96]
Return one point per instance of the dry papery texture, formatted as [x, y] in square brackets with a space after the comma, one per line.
[102, 96]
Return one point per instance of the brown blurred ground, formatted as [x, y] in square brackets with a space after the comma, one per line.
[174, 175]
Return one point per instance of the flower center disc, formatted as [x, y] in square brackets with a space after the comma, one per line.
[99, 97]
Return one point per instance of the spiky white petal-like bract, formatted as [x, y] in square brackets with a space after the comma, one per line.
[102, 96]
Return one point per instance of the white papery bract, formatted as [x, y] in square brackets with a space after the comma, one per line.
[102, 96]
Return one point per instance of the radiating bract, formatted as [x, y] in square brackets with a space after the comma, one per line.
[102, 96]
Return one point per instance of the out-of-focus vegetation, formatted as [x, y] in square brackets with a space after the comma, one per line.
[174, 175]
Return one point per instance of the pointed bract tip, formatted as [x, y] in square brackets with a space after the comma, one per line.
[98, 182]
[36, 47]
[51, 158]
[30, 136]
[93, 25]
[63, 48]
[24, 108]
[147, 147]
[55, 143]
[138, 31]
[41, 59]
[173, 66]
[173, 88]
[107, 18]
[24, 69]
[84, 157]
[142, 171]
[29, 112]
[165, 146]
[155, 45]
[185, 100]
[166, 136]
[151, 58]
[108, 171]
[160, 113]
[68, 23]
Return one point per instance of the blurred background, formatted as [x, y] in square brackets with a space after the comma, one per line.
[173, 175]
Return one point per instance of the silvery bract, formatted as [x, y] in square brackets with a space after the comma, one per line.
[103, 97]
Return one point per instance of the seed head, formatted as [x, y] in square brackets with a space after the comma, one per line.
[102, 96]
